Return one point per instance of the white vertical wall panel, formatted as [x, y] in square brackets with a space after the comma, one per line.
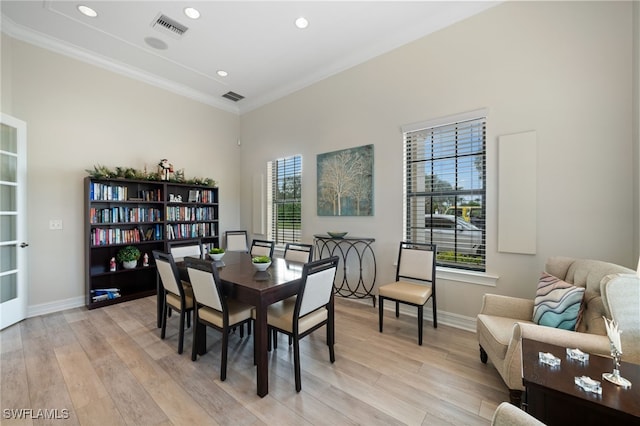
[258, 204]
[517, 193]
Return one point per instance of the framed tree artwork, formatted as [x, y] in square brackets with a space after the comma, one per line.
[345, 182]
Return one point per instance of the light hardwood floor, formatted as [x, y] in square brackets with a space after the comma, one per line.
[109, 367]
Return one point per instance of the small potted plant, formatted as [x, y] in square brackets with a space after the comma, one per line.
[129, 256]
[261, 263]
[216, 253]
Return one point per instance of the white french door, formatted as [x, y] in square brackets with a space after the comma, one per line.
[13, 227]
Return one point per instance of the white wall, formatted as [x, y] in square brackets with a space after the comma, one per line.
[78, 116]
[561, 69]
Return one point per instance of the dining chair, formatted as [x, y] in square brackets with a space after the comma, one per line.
[181, 249]
[236, 241]
[309, 310]
[262, 248]
[213, 309]
[416, 262]
[298, 252]
[174, 294]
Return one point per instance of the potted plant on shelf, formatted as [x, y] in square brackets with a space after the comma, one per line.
[216, 253]
[261, 263]
[129, 256]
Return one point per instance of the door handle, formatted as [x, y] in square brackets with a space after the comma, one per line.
[23, 245]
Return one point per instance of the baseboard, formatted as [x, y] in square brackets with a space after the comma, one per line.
[58, 305]
[445, 318]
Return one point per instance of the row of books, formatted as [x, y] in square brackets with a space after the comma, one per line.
[202, 196]
[105, 294]
[175, 213]
[192, 230]
[124, 214]
[108, 236]
[106, 192]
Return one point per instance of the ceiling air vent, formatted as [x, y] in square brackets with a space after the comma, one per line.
[169, 26]
[233, 96]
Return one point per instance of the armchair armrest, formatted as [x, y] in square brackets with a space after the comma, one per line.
[507, 306]
[591, 343]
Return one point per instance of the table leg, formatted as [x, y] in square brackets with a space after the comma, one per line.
[261, 337]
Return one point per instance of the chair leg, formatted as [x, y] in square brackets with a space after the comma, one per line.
[483, 355]
[249, 328]
[223, 360]
[397, 309]
[296, 363]
[274, 335]
[181, 333]
[435, 315]
[515, 397]
[164, 320]
[330, 342]
[188, 319]
[241, 331]
[380, 312]
[420, 318]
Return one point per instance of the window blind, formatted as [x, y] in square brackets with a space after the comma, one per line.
[285, 199]
[445, 194]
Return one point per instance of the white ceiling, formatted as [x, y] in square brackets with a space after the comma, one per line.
[257, 43]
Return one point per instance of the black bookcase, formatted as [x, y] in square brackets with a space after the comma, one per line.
[148, 215]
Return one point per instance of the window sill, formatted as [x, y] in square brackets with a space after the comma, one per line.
[467, 277]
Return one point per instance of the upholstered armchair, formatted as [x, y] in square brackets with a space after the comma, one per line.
[503, 321]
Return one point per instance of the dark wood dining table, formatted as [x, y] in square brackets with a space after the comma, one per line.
[260, 289]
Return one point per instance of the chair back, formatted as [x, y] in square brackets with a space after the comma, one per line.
[181, 250]
[168, 272]
[316, 288]
[295, 252]
[417, 261]
[204, 279]
[262, 248]
[236, 241]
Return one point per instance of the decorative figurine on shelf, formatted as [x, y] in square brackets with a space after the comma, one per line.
[165, 169]
[145, 260]
[112, 264]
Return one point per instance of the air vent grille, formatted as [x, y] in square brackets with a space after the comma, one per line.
[169, 26]
[233, 96]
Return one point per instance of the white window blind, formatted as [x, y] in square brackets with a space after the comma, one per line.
[445, 194]
[284, 199]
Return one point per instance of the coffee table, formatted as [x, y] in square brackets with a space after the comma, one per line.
[553, 397]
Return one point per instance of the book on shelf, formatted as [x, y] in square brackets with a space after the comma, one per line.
[98, 295]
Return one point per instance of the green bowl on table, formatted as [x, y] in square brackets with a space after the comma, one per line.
[334, 234]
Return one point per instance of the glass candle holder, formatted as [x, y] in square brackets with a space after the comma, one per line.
[615, 377]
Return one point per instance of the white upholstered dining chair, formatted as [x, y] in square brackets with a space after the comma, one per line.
[213, 309]
[416, 265]
[174, 294]
[298, 252]
[236, 241]
[262, 248]
[311, 309]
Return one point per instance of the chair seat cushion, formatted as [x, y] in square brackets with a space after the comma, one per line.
[238, 312]
[417, 294]
[495, 333]
[280, 315]
[174, 301]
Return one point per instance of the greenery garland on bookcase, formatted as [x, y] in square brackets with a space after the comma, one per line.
[104, 172]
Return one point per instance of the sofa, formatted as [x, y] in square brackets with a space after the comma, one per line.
[503, 320]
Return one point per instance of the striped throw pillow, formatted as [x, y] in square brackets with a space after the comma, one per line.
[557, 303]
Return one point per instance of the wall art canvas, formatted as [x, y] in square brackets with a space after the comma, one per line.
[345, 182]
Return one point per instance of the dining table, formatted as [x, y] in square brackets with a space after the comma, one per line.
[243, 282]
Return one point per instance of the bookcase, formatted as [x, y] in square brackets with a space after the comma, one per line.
[149, 215]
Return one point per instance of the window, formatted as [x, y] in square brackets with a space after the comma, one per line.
[284, 199]
[444, 188]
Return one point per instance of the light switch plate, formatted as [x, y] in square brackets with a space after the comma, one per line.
[55, 224]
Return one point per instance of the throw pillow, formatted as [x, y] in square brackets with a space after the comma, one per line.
[557, 303]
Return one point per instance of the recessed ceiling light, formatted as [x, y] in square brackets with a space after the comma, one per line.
[191, 12]
[156, 43]
[87, 11]
[222, 73]
[302, 23]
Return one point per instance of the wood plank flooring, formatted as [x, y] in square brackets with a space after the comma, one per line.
[110, 367]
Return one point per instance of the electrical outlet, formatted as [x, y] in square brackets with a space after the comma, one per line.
[55, 224]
